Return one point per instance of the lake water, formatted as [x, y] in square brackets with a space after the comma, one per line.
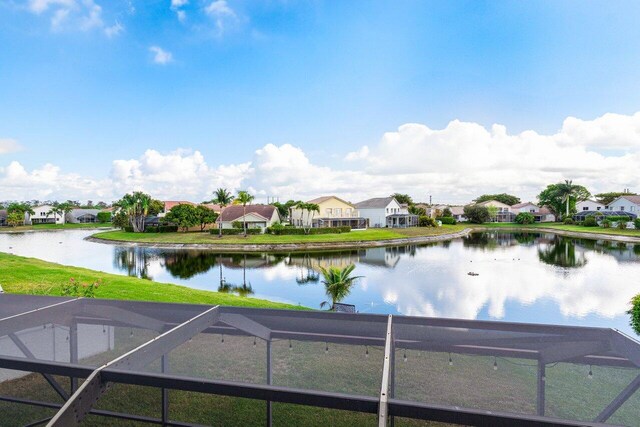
[521, 277]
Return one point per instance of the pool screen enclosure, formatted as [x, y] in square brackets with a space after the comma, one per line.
[63, 362]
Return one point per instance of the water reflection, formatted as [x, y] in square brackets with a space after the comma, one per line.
[527, 277]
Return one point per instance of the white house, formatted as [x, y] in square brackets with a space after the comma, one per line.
[257, 216]
[528, 207]
[503, 211]
[629, 204]
[77, 216]
[589, 205]
[44, 215]
[378, 209]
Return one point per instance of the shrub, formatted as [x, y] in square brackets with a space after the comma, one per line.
[635, 313]
[477, 214]
[568, 221]
[281, 231]
[606, 223]
[76, 289]
[103, 217]
[162, 229]
[426, 221]
[636, 223]
[128, 229]
[447, 220]
[590, 221]
[237, 224]
[615, 218]
[235, 231]
[524, 218]
[622, 225]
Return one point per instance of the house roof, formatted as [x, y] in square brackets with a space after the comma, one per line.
[522, 205]
[632, 199]
[214, 207]
[375, 203]
[233, 212]
[79, 212]
[494, 203]
[457, 210]
[168, 204]
[319, 200]
[591, 201]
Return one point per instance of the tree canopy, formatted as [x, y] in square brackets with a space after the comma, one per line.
[184, 216]
[477, 214]
[562, 197]
[403, 198]
[505, 198]
[606, 198]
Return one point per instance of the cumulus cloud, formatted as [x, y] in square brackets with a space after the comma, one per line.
[81, 15]
[161, 56]
[8, 145]
[454, 165]
[176, 6]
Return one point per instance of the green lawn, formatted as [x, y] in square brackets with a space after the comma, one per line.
[32, 276]
[563, 227]
[55, 227]
[372, 234]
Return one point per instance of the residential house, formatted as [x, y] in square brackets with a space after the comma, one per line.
[540, 214]
[457, 212]
[625, 203]
[334, 212]
[386, 212]
[3, 217]
[82, 216]
[43, 215]
[168, 204]
[257, 216]
[503, 213]
[589, 205]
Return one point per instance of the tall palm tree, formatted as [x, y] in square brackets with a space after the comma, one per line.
[566, 190]
[244, 198]
[136, 207]
[223, 198]
[338, 282]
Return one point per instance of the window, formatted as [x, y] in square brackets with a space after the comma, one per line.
[622, 208]
[586, 208]
[328, 211]
[338, 212]
[632, 208]
[598, 208]
[348, 212]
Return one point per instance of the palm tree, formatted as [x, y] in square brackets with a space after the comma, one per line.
[338, 282]
[566, 190]
[136, 207]
[223, 198]
[244, 198]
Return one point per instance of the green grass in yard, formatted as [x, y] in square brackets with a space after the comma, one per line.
[371, 234]
[562, 227]
[45, 227]
[32, 276]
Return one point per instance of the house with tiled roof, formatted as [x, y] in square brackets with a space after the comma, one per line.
[256, 216]
[334, 212]
[626, 203]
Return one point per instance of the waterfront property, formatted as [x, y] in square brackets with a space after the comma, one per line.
[386, 212]
[503, 211]
[44, 214]
[626, 203]
[589, 205]
[82, 216]
[255, 216]
[334, 212]
[540, 214]
[286, 364]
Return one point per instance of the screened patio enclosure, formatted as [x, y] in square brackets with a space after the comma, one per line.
[66, 362]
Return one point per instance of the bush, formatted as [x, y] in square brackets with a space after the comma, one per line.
[606, 223]
[622, 225]
[237, 224]
[568, 221]
[103, 217]
[426, 221]
[635, 313]
[235, 231]
[525, 218]
[590, 221]
[281, 231]
[616, 218]
[477, 214]
[636, 223]
[447, 220]
[128, 229]
[162, 229]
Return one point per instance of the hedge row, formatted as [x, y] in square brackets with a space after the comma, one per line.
[279, 231]
[447, 220]
[159, 229]
[235, 231]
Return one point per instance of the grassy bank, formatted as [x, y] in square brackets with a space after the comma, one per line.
[47, 227]
[563, 227]
[373, 234]
[32, 276]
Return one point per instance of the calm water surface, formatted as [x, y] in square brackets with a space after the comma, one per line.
[522, 277]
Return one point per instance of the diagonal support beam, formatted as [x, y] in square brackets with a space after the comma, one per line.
[619, 400]
[29, 355]
[55, 313]
[130, 318]
[77, 407]
[247, 325]
[383, 406]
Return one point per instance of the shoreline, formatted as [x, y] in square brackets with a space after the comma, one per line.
[324, 246]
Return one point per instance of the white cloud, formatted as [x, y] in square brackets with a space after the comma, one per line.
[176, 6]
[222, 15]
[8, 145]
[161, 56]
[114, 30]
[454, 164]
[83, 15]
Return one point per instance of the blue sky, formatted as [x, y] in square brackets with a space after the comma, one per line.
[326, 77]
